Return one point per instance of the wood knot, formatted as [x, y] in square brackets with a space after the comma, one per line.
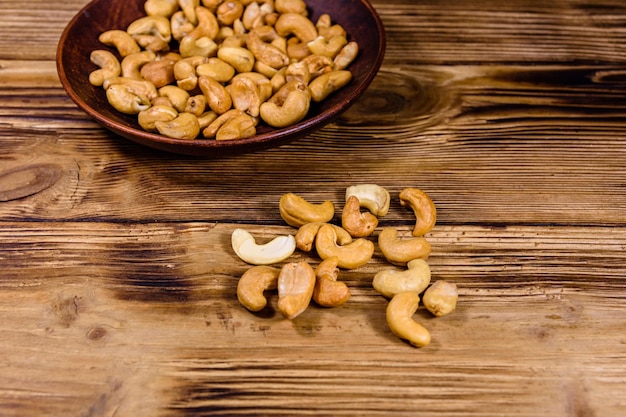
[25, 181]
[96, 333]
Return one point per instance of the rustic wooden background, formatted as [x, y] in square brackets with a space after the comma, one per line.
[117, 282]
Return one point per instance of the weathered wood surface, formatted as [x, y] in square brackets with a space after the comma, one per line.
[117, 290]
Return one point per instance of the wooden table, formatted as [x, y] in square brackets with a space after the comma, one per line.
[117, 282]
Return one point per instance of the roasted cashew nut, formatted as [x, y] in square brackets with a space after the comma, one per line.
[399, 316]
[138, 87]
[416, 278]
[346, 56]
[156, 113]
[189, 9]
[109, 67]
[218, 97]
[441, 298]
[423, 208]
[399, 251]
[274, 251]
[211, 130]
[296, 283]
[355, 222]
[305, 236]
[124, 100]
[253, 283]
[131, 64]
[158, 26]
[177, 96]
[296, 211]
[165, 8]
[185, 71]
[328, 83]
[217, 69]
[229, 11]
[327, 47]
[291, 6]
[247, 96]
[266, 52]
[121, 40]
[239, 57]
[372, 197]
[329, 292]
[289, 105]
[184, 126]
[160, 73]
[351, 256]
[240, 127]
[297, 25]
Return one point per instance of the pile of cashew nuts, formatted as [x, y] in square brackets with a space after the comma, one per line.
[347, 247]
[236, 63]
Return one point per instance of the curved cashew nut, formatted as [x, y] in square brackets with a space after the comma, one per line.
[399, 251]
[109, 67]
[163, 113]
[296, 211]
[296, 24]
[189, 9]
[350, 256]
[291, 6]
[214, 126]
[305, 236]
[185, 71]
[131, 64]
[423, 208]
[266, 52]
[327, 47]
[416, 278]
[356, 223]
[217, 69]
[164, 8]
[289, 105]
[239, 127]
[399, 319]
[326, 29]
[207, 24]
[328, 83]
[160, 73]
[180, 25]
[176, 95]
[296, 283]
[203, 46]
[158, 26]
[124, 100]
[274, 251]
[318, 65]
[239, 57]
[218, 98]
[346, 56]
[229, 11]
[138, 87]
[329, 292]
[372, 197]
[196, 105]
[441, 298]
[122, 41]
[185, 126]
[253, 283]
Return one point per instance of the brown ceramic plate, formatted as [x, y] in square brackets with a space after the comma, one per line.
[80, 37]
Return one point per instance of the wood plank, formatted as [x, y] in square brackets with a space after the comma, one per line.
[106, 312]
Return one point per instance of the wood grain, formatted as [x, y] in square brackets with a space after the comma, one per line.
[117, 282]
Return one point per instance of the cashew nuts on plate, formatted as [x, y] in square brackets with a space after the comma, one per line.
[202, 46]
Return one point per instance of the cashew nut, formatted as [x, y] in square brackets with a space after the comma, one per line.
[122, 41]
[177, 96]
[296, 24]
[185, 71]
[124, 100]
[240, 58]
[247, 95]
[423, 208]
[346, 56]
[266, 52]
[296, 283]
[131, 64]
[109, 66]
[196, 105]
[296, 211]
[218, 98]
[203, 46]
[358, 224]
[229, 11]
[399, 315]
[253, 283]
[151, 25]
[164, 8]
[328, 83]
[189, 9]
[217, 69]
[416, 278]
[208, 26]
[351, 256]
[160, 73]
[240, 127]
[372, 197]
[138, 87]
[211, 130]
[163, 113]
[152, 43]
[185, 126]
[291, 6]
[180, 25]
[289, 105]
[399, 251]
[305, 236]
[327, 47]
[274, 251]
[329, 292]
[441, 298]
